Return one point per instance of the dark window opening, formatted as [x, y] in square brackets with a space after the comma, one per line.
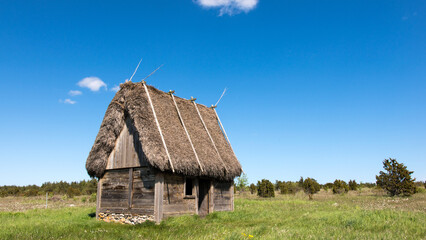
[188, 187]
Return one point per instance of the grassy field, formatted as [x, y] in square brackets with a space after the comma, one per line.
[362, 214]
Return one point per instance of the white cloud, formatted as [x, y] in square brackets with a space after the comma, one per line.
[92, 83]
[115, 88]
[229, 7]
[69, 101]
[74, 92]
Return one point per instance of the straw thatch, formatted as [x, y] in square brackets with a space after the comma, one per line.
[132, 102]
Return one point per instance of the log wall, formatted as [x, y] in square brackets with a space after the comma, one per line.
[141, 190]
[174, 200]
[223, 196]
[129, 190]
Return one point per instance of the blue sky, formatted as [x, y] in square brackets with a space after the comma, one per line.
[322, 89]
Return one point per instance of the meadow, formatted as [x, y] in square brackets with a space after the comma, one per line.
[362, 214]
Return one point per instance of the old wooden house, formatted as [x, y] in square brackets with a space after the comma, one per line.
[160, 155]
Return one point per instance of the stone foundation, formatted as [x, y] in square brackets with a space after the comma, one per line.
[125, 218]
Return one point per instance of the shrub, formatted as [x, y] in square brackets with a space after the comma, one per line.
[71, 192]
[353, 185]
[311, 186]
[265, 188]
[84, 199]
[242, 182]
[284, 187]
[327, 186]
[277, 185]
[397, 179]
[420, 190]
[92, 197]
[366, 185]
[293, 187]
[300, 183]
[340, 186]
[31, 192]
[252, 188]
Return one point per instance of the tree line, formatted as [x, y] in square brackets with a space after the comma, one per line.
[396, 180]
[54, 188]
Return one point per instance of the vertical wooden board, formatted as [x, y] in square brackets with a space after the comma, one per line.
[196, 185]
[232, 196]
[158, 197]
[211, 197]
[130, 187]
[98, 198]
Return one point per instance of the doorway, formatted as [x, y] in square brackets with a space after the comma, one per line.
[203, 197]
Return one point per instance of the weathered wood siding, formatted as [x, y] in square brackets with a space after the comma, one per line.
[128, 190]
[143, 190]
[174, 201]
[223, 196]
[128, 150]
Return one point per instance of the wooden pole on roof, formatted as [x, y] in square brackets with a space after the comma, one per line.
[208, 133]
[221, 126]
[156, 121]
[224, 132]
[224, 90]
[130, 79]
[143, 80]
[186, 131]
[223, 129]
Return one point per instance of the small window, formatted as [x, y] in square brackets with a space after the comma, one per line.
[188, 187]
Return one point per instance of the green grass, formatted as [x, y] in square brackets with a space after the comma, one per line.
[284, 217]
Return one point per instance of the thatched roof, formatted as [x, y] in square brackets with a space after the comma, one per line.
[131, 101]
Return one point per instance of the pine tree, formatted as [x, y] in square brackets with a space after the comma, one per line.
[397, 179]
[353, 185]
[265, 188]
[311, 186]
[340, 186]
[252, 188]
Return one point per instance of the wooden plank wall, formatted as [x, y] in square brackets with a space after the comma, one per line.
[174, 201]
[143, 190]
[128, 150]
[223, 196]
[128, 190]
[158, 198]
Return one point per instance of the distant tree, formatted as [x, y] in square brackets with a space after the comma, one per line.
[252, 188]
[71, 192]
[366, 185]
[31, 191]
[397, 179]
[340, 186]
[284, 187]
[327, 186]
[293, 187]
[353, 185]
[311, 186]
[265, 188]
[242, 182]
[277, 185]
[300, 183]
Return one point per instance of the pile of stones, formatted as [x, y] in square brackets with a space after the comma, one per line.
[125, 218]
